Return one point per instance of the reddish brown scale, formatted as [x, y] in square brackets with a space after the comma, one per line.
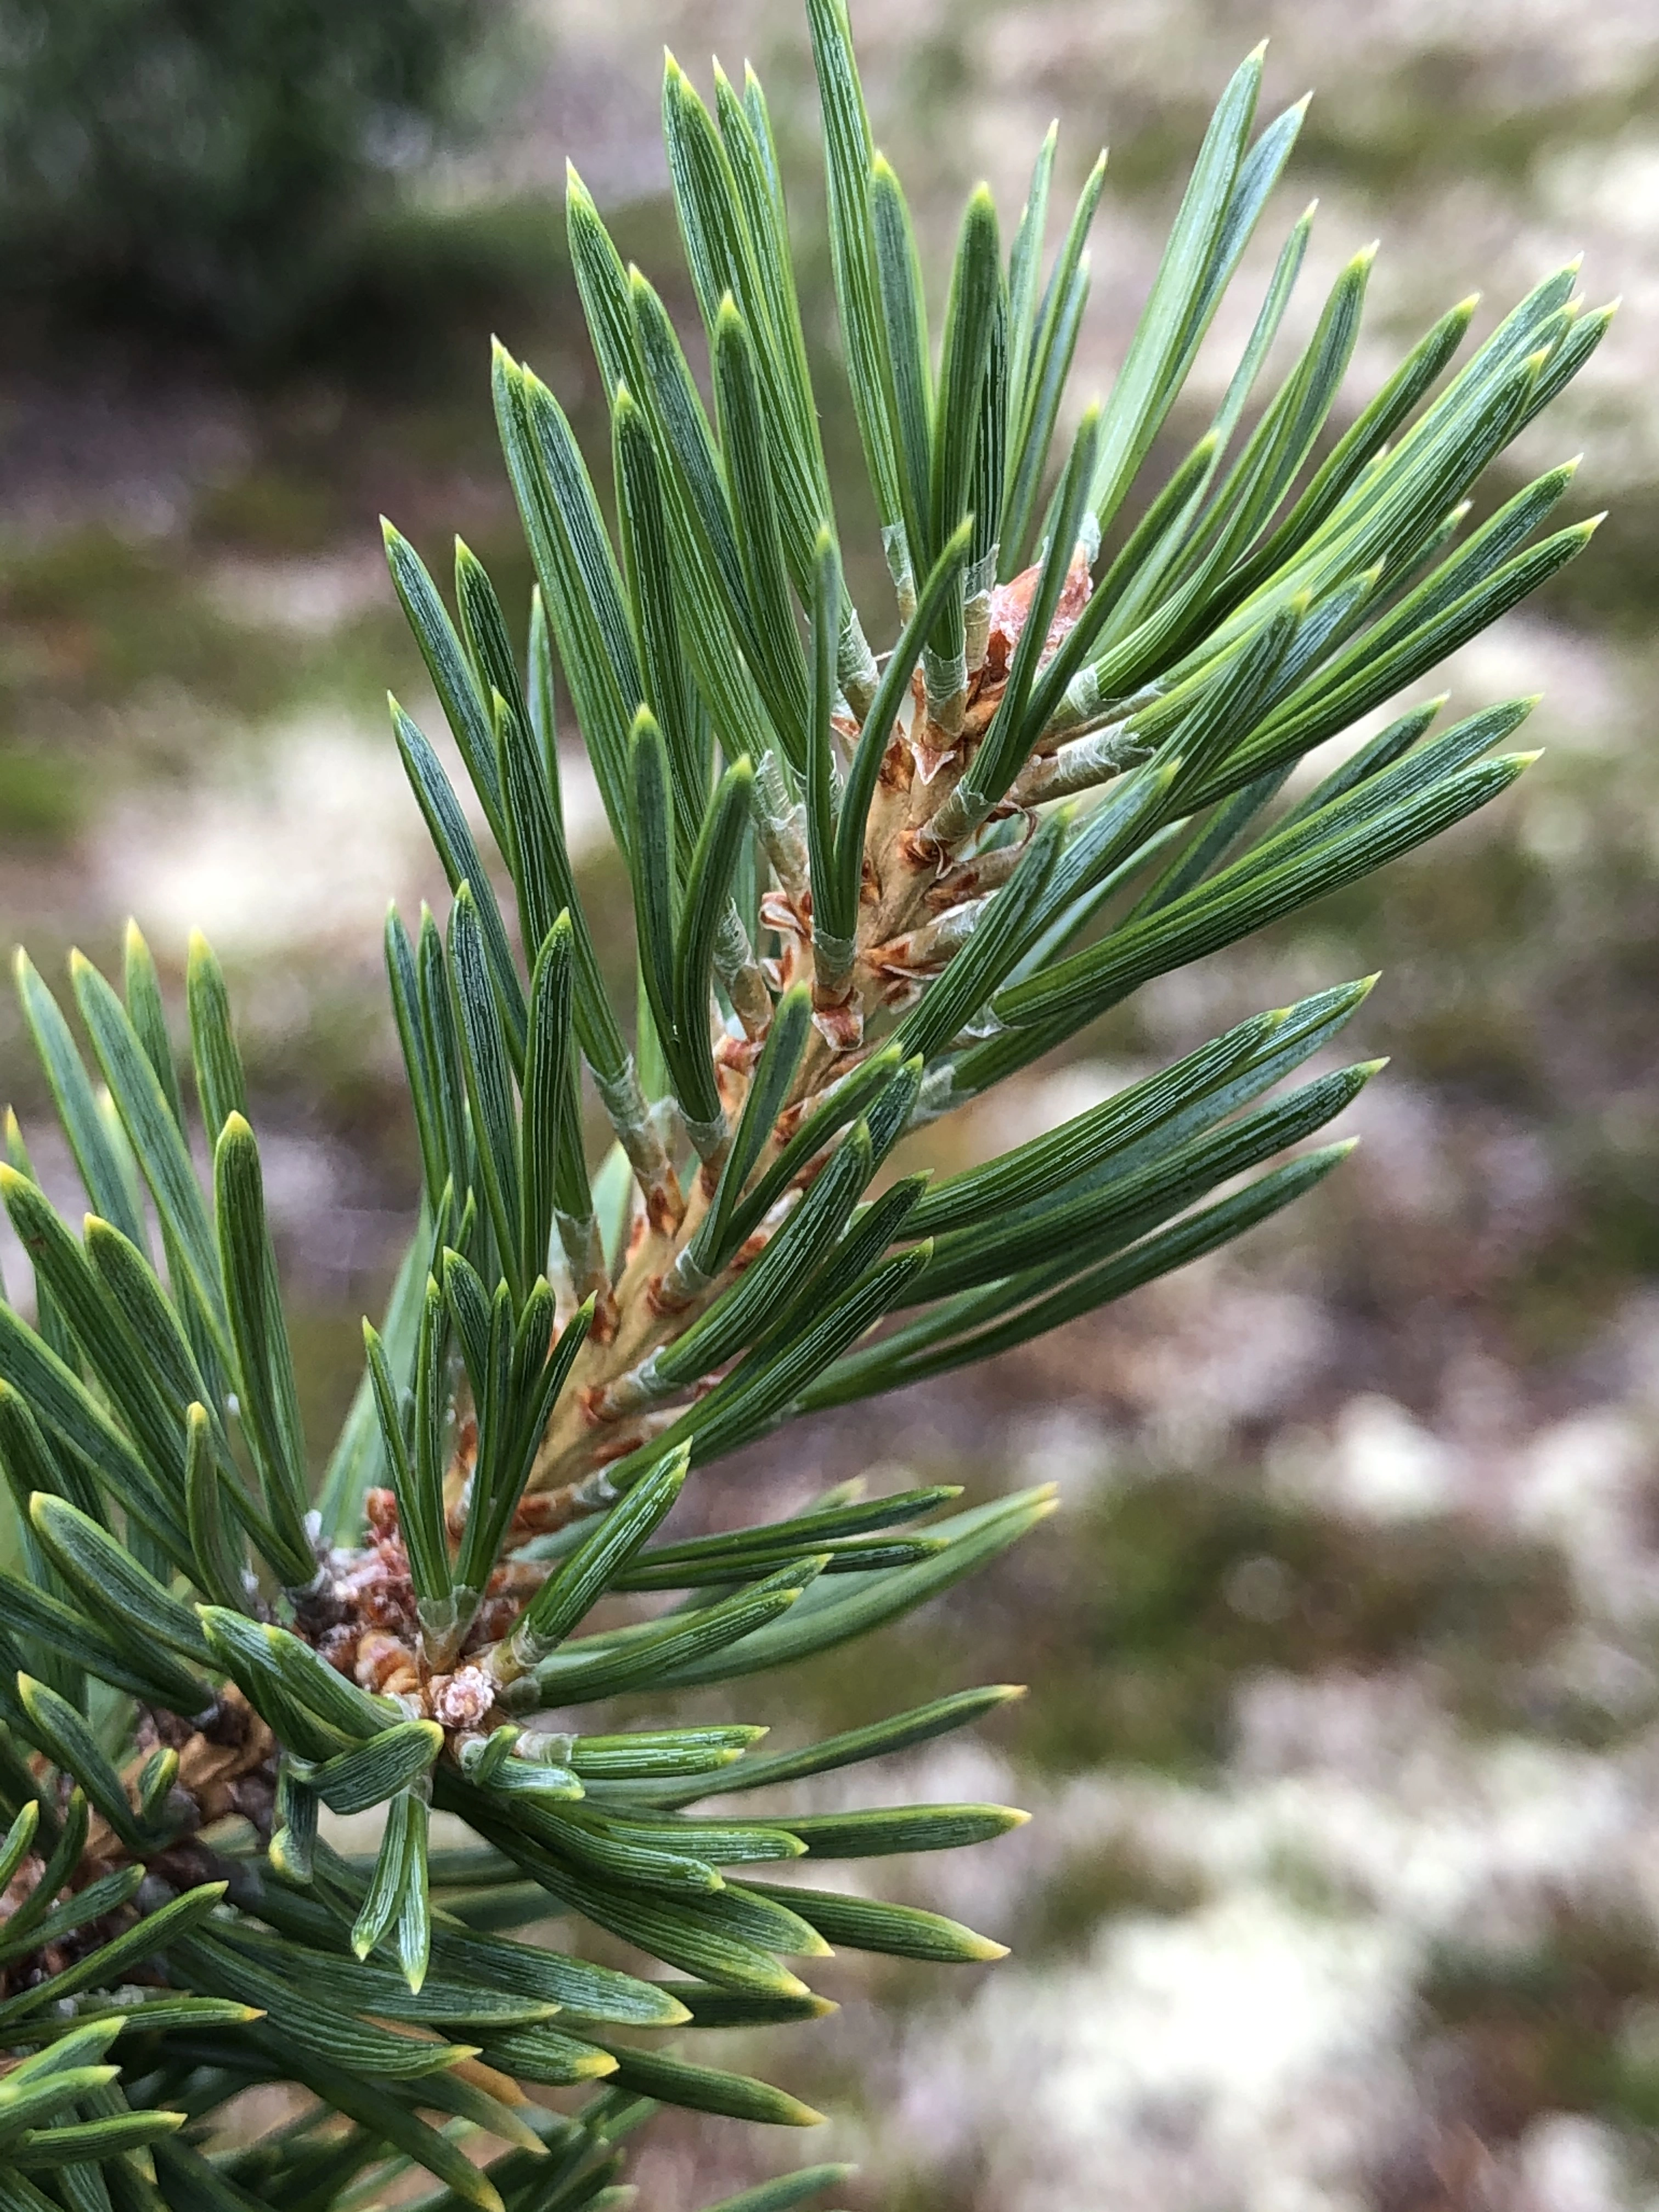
[920, 850]
[378, 1589]
[663, 1302]
[665, 1205]
[896, 768]
[1012, 611]
[737, 1055]
[339, 1648]
[612, 1448]
[731, 1076]
[901, 961]
[591, 1404]
[459, 1474]
[981, 714]
[927, 757]
[539, 1511]
[1004, 807]
[1010, 608]
[749, 1250]
[385, 1667]
[791, 1119]
[838, 1018]
[897, 991]
[518, 1579]
[390, 1607]
[459, 1479]
[780, 912]
[987, 872]
[395, 1560]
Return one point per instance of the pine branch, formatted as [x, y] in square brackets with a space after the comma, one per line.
[865, 891]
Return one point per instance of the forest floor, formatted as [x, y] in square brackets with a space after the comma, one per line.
[1343, 1730]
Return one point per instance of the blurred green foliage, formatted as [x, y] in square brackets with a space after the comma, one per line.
[214, 160]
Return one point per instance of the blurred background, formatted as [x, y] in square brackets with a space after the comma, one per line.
[1343, 1737]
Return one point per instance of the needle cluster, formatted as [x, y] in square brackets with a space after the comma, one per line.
[869, 883]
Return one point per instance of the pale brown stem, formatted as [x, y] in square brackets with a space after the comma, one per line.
[909, 920]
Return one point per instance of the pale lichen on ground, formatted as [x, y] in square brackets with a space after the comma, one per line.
[1346, 1695]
